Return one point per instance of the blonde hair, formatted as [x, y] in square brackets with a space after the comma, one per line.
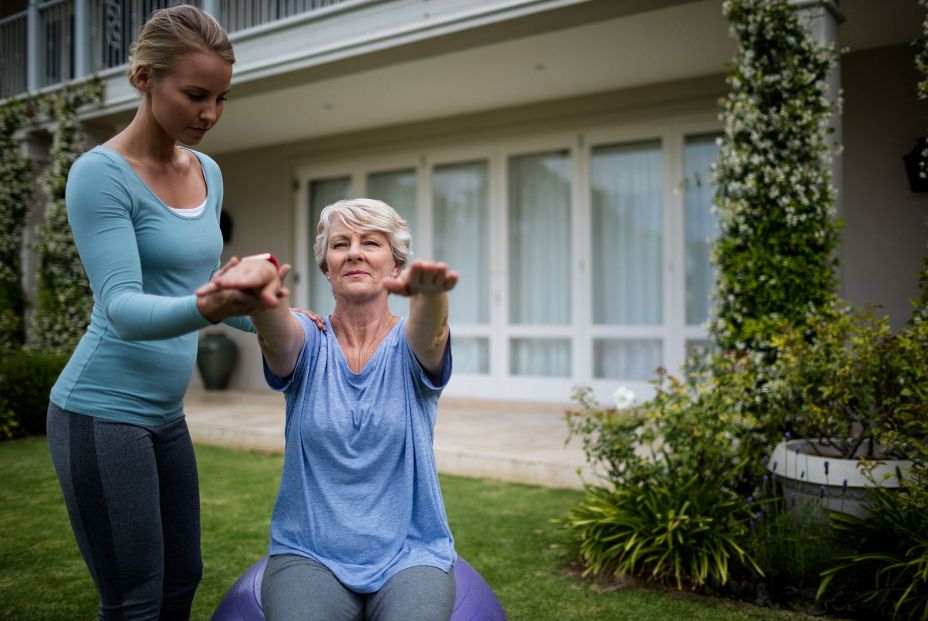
[365, 215]
[173, 32]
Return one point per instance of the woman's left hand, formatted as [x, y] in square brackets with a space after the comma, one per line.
[422, 278]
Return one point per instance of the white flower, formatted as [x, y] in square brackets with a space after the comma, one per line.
[624, 398]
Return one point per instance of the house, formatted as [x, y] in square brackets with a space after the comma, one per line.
[554, 152]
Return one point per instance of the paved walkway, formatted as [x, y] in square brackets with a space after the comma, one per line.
[511, 441]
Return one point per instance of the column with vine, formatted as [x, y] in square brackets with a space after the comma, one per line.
[16, 198]
[920, 310]
[775, 252]
[63, 296]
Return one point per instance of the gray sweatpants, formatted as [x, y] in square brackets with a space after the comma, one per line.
[134, 504]
[296, 588]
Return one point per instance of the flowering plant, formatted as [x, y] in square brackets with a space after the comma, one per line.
[667, 508]
[847, 380]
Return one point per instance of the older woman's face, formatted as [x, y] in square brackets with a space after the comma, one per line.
[357, 261]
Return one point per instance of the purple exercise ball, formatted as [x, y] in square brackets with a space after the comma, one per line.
[474, 600]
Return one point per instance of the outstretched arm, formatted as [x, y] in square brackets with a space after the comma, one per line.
[279, 332]
[427, 284]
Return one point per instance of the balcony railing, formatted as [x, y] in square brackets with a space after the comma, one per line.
[54, 41]
[13, 55]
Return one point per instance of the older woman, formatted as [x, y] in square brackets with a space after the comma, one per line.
[359, 529]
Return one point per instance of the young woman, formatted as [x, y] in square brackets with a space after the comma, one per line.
[145, 217]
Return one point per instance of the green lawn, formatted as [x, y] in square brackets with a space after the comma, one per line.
[504, 530]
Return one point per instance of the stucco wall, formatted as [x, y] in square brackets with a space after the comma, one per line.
[258, 198]
[885, 233]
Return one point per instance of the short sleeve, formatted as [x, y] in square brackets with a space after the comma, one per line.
[311, 341]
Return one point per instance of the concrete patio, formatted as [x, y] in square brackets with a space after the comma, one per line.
[511, 441]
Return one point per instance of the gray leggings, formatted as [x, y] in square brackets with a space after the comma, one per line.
[296, 588]
[133, 500]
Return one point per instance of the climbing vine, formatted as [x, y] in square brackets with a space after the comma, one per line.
[63, 296]
[775, 251]
[920, 303]
[16, 197]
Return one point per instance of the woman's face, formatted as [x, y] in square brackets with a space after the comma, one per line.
[188, 101]
[357, 261]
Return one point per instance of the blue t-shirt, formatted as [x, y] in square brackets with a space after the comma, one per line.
[359, 491]
[143, 261]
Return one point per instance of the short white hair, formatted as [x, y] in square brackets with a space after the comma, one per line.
[364, 215]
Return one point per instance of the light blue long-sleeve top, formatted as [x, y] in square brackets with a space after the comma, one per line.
[144, 262]
[359, 490]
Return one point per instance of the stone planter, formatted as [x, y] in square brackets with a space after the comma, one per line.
[216, 358]
[835, 483]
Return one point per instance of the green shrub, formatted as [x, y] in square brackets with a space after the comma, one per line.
[674, 526]
[792, 542]
[906, 425]
[8, 424]
[836, 373]
[669, 509]
[26, 378]
[888, 570]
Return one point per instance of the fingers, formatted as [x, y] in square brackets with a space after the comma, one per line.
[224, 303]
[229, 264]
[316, 319]
[423, 277]
[395, 285]
[283, 271]
[207, 289]
[249, 275]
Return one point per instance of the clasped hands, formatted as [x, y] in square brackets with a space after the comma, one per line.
[242, 287]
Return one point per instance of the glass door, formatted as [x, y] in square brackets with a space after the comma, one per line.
[539, 264]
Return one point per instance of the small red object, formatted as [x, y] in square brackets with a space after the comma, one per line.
[267, 256]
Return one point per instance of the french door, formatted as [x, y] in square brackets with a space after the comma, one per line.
[584, 258]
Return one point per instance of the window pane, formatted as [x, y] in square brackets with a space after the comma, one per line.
[628, 270]
[539, 239]
[544, 357]
[322, 192]
[397, 189]
[626, 358]
[460, 201]
[471, 354]
[700, 225]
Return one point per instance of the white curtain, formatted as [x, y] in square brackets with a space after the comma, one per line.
[397, 189]
[626, 358]
[700, 225]
[539, 239]
[322, 192]
[471, 354]
[460, 209]
[627, 234]
[541, 357]
[539, 260]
